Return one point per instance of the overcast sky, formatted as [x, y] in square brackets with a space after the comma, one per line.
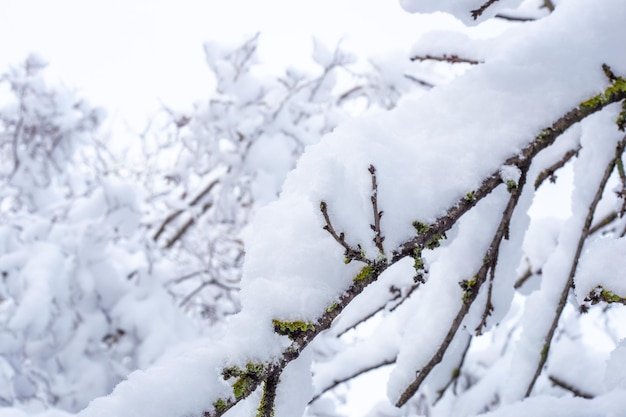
[128, 55]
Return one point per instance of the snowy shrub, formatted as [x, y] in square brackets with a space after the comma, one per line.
[80, 305]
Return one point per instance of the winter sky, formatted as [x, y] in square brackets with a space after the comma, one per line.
[130, 55]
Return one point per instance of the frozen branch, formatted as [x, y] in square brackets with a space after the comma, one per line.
[478, 12]
[472, 288]
[350, 252]
[570, 280]
[451, 59]
[569, 387]
[378, 238]
[350, 377]
[548, 173]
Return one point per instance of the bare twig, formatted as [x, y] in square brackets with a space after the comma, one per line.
[525, 277]
[569, 387]
[177, 213]
[478, 12]
[350, 252]
[472, 288]
[548, 173]
[570, 280]
[266, 407]
[606, 220]
[457, 371]
[419, 81]
[452, 59]
[514, 18]
[378, 238]
[350, 377]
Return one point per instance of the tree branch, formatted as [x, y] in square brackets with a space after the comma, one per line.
[472, 288]
[378, 238]
[570, 280]
[452, 59]
[348, 378]
[548, 173]
[568, 387]
[478, 12]
[374, 268]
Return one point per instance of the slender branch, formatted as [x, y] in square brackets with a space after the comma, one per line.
[457, 371]
[266, 407]
[181, 232]
[548, 173]
[568, 387]
[525, 277]
[350, 252]
[350, 377]
[570, 279]
[478, 12]
[378, 238]
[514, 18]
[177, 213]
[419, 81]
[452, 59]
[471, 293]
[606, 220]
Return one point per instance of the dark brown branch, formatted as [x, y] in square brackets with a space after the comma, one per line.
[525, 277]
[378, 238]
[478, 12]
[452, 59]
[548, 173]
[381, 308]
[471, 293]
[602, 223]
[456, 373]
[514, 18]
[419, 81]
[488, 304]
[352, 376]
[350, 252]
[177, 213]
[266, 407]
[570, 279]
[568, 387]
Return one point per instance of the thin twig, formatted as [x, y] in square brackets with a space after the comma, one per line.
[470, 295]
[478, 12]
[514, 18]
[457, 371]
[378, 238]
[525, 277]
[548, 173]
[570, 279]
[452, 59]
[266, 408]
[606, 220]
[419, 81]
[350, 377]
[350, 252]
[568, 387]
